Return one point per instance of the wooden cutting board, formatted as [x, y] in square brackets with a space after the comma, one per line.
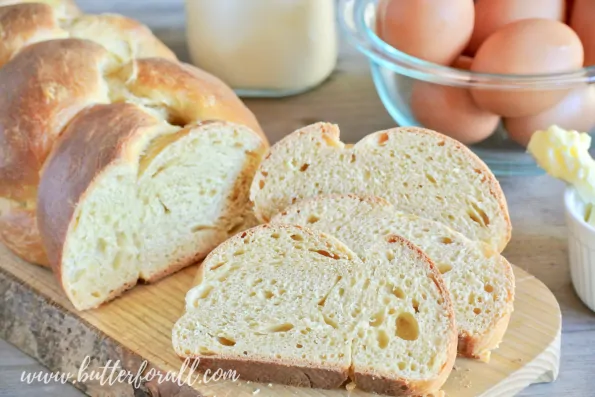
[38, 319]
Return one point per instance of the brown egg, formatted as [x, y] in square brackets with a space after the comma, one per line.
[491, 15]
[451, 110]
[583, 23]
[575, 112]
[529, 46]
[436, 31]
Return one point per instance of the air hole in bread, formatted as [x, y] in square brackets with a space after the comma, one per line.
[252, 293]
[441, 143]
[268, 294]
[95, 294]
[261, 184]
[305, 331]
[264, 173]
[383, 339]
[352, 160]
[390, 255]
[398, 292]
[118, 260]
[239, 253]
[488, 288]
[275, 236]
[446, 240]
[383, 138]
[205, 352]
[413, 366]
[392, 239]
[444, 268]
[226, 341]
[431, 178]
[313, 219]
[330, 321]
[401, 365]
[217, 266]
[377, 319]
[407, 326]
[299, 346]
[415, 304]
[285, 327]
[341, 291]
[101, 245]
[200, 228]
[477, 310]
[478, 215]
[367, 175]
[391, 311]
[205, 292]
[297, 237]
[165, 209]
[327, 254]
[304, 167]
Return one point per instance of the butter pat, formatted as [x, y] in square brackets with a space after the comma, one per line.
[565, 155]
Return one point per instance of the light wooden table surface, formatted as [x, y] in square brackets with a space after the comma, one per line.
[349, 99]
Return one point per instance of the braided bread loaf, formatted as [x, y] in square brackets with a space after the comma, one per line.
[105, 80]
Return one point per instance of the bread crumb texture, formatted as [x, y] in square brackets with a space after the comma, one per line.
[287, 298]
[417, 170]
[166, 199]
[481, 283]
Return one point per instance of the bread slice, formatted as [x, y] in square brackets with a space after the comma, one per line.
[125, 196]
[481, 283]
[417, 170]
[286, 304]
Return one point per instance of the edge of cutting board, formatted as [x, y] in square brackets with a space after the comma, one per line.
[38, 319]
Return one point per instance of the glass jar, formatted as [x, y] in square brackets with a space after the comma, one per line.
[263, 48]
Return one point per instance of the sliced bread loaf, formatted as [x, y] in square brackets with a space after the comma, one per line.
[481, 283]
[127, 196]
[286, 304]
[417, 170]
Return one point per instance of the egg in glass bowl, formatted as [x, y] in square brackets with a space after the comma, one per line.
[486, 77]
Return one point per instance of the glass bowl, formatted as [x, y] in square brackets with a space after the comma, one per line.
[394, 73]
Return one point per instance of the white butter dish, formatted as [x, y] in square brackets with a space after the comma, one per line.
[581, 248]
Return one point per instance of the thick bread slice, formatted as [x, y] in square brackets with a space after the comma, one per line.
[419, 171]
[125, 195]
[290, 305]
[481, 283]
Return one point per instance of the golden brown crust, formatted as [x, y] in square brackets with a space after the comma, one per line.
[190, 93]
[25, 24]
[300, 375]
[63, 8]
[18, 230]
[43, 87]
[124, 37]
[93, 140]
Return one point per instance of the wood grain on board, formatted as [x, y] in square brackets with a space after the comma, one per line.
[37, 317]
